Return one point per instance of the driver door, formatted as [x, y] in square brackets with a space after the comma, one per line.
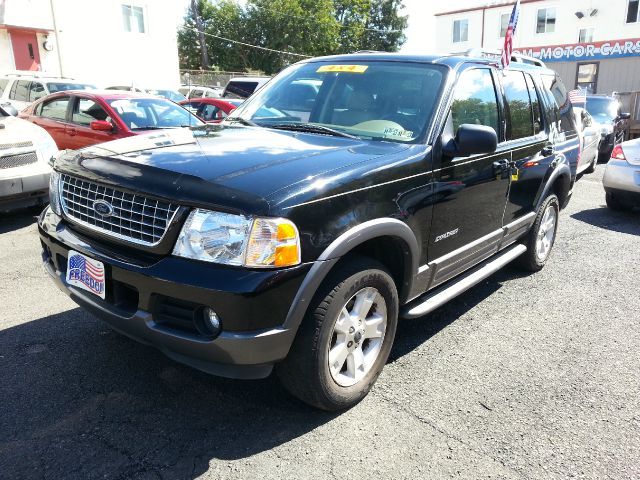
[471, 192]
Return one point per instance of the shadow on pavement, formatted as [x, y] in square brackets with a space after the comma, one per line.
[18, 219]
[623, 222]
[82, 401]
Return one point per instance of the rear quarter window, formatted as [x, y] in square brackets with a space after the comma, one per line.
[564, 112]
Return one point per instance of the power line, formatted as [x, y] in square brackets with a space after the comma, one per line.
[247, 44]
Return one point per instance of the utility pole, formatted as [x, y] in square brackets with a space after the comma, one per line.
[55, 34]
[204, 54]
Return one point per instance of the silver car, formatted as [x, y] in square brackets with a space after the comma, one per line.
[622, 177]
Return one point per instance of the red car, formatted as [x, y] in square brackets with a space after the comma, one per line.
[211, 110]
[77, 119]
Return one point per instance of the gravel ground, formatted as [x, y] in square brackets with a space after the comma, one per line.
[524, 376]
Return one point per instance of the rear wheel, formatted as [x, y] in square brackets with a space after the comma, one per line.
[345, 339]
[615, 204]
[594, 164]
[542, 236]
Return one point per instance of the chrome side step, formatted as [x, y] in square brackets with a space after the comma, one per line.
[432, 300]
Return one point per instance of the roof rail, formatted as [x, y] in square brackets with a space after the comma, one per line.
[36, 75]
[497, 54]
[368, 51]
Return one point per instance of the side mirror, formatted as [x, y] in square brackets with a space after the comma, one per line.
[10, 109]
[624, 116]
[472, 139]
[101, 126]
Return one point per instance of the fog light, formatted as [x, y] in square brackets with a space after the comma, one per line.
[211, 321]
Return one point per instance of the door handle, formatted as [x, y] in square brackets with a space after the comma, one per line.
[500, 165]
[72, 131]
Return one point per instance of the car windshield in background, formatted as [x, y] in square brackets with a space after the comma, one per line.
[372, 100]
[62, 86]
[152, 113]
[170, 94]
[240, 89]
[602, 109]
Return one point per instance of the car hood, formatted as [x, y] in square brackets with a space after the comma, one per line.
[233, 168]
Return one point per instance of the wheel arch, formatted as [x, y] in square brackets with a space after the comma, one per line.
[386, 240]
[559, 182]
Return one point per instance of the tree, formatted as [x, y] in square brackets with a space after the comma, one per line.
[385, 26]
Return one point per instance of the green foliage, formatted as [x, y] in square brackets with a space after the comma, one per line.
[309, 27]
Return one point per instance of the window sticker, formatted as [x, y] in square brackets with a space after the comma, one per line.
[398, 133]
[343, 68]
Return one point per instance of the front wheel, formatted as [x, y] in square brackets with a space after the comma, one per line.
[542, 236]
[345, 338]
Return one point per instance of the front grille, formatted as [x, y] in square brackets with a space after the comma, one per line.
[12, 161]
[7, 146]
[135, 218]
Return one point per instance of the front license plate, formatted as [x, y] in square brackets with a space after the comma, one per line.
[86, 273]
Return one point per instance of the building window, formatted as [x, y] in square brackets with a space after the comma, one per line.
[460, 31]
[504, 24]
[587, 77]
[585, 35]
[632, 11]
[133, 19]
[546, 20]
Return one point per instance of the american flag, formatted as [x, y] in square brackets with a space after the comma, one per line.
[78, 262]
[508, 38]
[578, 96]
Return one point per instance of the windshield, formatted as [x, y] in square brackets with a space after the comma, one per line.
[152, 113]
[170, 94]
[372, 100]
[62, 86]
[602, 109]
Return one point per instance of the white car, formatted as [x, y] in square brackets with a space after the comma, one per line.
[198, 91]
[589, 140]
[244, 87]
[25, 152]
[621, 179]
[22, 90]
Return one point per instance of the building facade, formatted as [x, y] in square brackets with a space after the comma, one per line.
[105, 42]
[592, 44]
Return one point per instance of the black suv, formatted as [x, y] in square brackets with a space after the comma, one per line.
[608, 117]
[350, 191]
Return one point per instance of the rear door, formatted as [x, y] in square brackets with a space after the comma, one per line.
[52, 116]
[19, 94]
[471, 191]
[79, 131]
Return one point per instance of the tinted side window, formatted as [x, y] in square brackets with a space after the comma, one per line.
[519, 113]
[559, 92]
[535, 104]
[36, 91]
[474, 100]
[55, 109]
[86, 111]
[20, 91]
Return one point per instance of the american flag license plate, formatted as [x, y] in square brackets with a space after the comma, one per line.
[86, 273]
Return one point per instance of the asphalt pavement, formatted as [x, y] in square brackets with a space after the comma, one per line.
[522, 377]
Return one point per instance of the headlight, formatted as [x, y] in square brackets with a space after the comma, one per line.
[238, 240]
[54, 192]
[47, 148]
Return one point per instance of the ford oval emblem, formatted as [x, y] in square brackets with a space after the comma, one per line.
[103, 208]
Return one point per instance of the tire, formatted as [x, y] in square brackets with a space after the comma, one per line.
[533, 260]
[615, 204]
[594, 164]
[306, 373]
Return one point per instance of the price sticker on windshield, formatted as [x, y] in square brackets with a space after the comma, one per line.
[343, 68]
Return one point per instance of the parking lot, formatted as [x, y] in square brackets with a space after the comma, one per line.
[524, 376]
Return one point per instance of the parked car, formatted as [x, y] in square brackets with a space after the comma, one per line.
[211, 110]
[272, 241]
[622, 178]
[77, 119]
[589, 140]
[22, 90]
[169, 94]
[607, 115]
[199, 91]
[25, 153]
[243, 87]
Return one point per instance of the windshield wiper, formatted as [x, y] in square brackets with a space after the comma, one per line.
[312, 128]
[148, 128]
[241, 120]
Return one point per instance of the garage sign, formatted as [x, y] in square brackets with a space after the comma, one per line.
[584, 51]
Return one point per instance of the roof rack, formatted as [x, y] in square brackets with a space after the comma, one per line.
[35, 75]
[497, 54]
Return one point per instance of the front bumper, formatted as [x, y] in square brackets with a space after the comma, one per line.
[24, 190]
[252, 304]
